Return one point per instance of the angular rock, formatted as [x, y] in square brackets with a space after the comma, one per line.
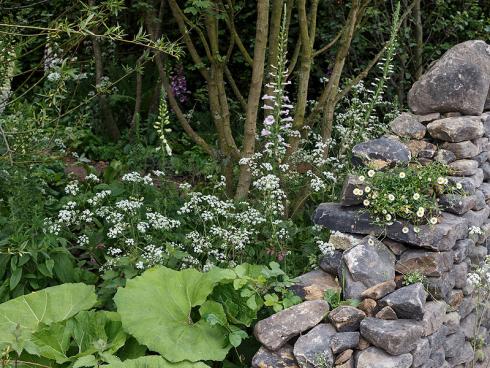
[440, 237]
[468, 326]
[465, 356]
[439, 287]
[460, 270]
[379, 290]
[387, 313]
[421, 149]
[343, 241]
[457, 204]
[313, 348]
[406, 125]
[427, 263]
[459, 129]
[467, 184]
[348, 364]
[486, 170]
[466, 307]
[455, 298]
[438, 358]
[464, 167]
[462, 150]
[274, 331]
[477, 218]
[434, 316]
[421, 353]
[344, 340]
[344, 357]
[460, 250]
[482, 144]
[368, 306]
[283, 358]
[481, 157]
[454, 344]
[375, 358]
[380, 153]
[314, 284]
[444, 156]
[347, 196]
[436, 340]
[346, 318]
[366, 264]
[331, 263]
[395, 337]
[396, 247]
[458, 81]
[477, 254]
[408, 302]
[428, 117]
[452, 321]
[485, 188]
[480, 201]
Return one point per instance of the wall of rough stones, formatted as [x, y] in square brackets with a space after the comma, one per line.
[427, 326]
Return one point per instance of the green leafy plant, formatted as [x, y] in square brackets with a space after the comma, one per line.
[414, 277]
[23, 316]
[334, 299]
[153, 361]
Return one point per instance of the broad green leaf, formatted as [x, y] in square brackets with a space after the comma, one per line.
[88, 333]
[154, 361]
[156, 308]
[22, 316]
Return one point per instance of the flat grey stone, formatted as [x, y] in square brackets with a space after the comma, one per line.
[274, 331]
[313, 285]
[467, 183]
[425, 262]
[380, 153]
[313, 348]
[373, 357]
[439, 287]
[457, 204]
[460, 250]
[485, 188]
[408, 302]
[461, 150]
[460, 271]
[467, 306]
[465, 356]
[444, 156]
[481, 157]
[434, 316]
[387, 313]
[458, 129]
[421, 149]
[438, 358]
[342, 341]
[441, 236]
[480, 201]
[346, 318]
[436, 340]
[331, 263]
[458, 81]
[452, 321]
[464, 167]
[347, 196]
[395, 337]
[282, 358]
[454, 344]
[468, 326]
[366, 264]
[428, 117]
[477, 218]
[421, 353]
[379, 290]
[406, 125]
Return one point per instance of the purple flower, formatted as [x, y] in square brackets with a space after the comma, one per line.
[265, 132]
[269, 120]
[179, 85]
[267, 97]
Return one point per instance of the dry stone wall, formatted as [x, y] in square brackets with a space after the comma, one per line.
[397, 325]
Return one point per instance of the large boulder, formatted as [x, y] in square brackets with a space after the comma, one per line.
[456, 129]
[366, 264]
[458, 81]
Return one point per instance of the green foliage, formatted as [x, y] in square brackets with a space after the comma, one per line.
[414, 277]
[407, 193]
[153, 362]
[23, 316]
[334, 299]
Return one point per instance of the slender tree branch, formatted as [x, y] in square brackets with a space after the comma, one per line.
[231, 26]
[328, 45]
[235, 88]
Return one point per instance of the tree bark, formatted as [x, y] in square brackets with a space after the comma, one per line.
[253, 101]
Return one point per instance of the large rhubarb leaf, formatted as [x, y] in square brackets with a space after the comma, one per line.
[157, 309]
[153, 361]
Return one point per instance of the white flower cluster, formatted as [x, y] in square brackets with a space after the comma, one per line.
[135, 177]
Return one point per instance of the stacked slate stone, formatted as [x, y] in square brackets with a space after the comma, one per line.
[398, 325]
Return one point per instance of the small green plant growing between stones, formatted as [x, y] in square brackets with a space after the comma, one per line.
[334, 299]
[321, 362]
[414, 277]
[405, 193]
